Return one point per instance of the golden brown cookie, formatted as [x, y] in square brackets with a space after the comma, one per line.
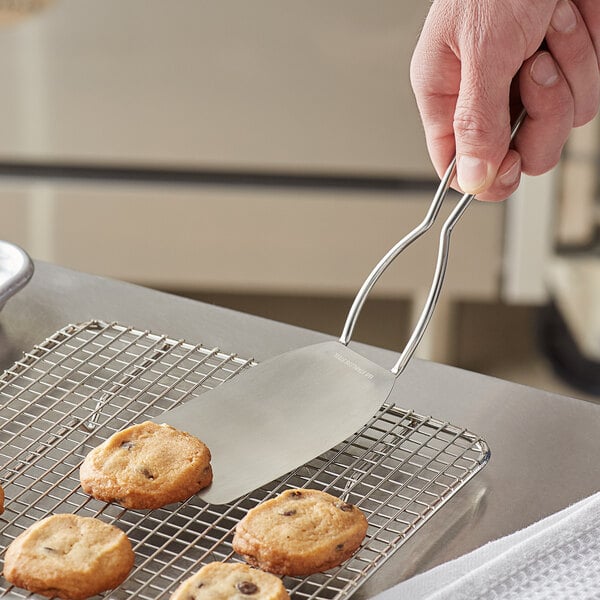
[70, 557]
[300, 532]
[223, 581]
[146, 466]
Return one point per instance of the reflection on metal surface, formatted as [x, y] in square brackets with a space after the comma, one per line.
[400, 468]
[444, 532]
[16, 269]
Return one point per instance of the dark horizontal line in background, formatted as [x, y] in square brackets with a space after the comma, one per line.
[215, 177]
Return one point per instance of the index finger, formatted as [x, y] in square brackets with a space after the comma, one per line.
[436, 91]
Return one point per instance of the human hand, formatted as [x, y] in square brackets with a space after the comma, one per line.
[474, 56]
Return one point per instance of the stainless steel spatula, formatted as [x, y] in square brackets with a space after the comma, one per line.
[284, 412]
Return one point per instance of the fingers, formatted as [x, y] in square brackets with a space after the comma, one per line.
[467, 56]
[435, 79]
[489, 62]
[437, 111]
[560, 89]
[481, 125]
[570, 43]
[590, 12]
[547, 97]
[507, 179]
[465, 107]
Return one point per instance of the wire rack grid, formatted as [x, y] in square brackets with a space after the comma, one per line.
[90, 380]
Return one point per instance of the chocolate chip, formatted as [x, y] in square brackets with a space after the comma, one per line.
[127, 445]
[296, 494]
[339, 547]
[147, 474]
[198, 586]
[247, 588]
[288, 513]
[346, 507]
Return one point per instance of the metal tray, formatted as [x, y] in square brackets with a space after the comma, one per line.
[87, 381]
[16, 269]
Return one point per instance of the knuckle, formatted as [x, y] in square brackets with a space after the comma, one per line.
[473, 128]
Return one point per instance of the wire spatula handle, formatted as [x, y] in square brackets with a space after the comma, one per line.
[440, 268]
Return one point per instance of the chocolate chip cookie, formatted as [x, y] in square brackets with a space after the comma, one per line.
[231, 581]
[146, 466]
[300, 532]
[69, 557]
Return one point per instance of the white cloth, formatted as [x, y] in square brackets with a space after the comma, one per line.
[555, 558]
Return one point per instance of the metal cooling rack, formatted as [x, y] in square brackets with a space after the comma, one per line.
[87, 381]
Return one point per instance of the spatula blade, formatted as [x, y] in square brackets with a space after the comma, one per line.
[281, 414]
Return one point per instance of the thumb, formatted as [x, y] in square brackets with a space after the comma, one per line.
[481, 124]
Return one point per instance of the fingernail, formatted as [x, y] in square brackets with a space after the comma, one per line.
[511, 176]
[543, 70]
[471, 173]
[563, 19]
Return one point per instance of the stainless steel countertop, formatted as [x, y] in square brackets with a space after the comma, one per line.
[544, 447]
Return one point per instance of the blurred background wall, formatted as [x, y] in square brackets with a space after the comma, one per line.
[263, 156]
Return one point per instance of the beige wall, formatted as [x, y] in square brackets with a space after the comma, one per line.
[267, 84]
[250, 240]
